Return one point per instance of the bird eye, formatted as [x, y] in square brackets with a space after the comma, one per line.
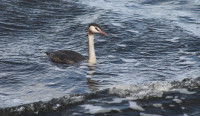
[96, 28]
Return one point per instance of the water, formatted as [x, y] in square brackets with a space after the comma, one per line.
[150, 41]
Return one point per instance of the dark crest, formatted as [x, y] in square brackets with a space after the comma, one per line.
[94, 24]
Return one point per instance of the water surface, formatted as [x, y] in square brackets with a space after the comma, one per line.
[149, 41]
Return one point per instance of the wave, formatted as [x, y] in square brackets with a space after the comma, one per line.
[133, 94]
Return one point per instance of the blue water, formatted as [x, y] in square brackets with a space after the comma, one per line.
[149, 41]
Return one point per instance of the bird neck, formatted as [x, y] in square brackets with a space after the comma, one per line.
[91, 52]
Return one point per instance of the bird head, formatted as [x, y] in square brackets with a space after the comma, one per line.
[95, 28]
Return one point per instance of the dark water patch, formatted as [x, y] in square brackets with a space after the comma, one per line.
[9, 80]
[30, 15]
[175, 103]
[187, 20]
[11, 66]
[155, 2]
[17, 74]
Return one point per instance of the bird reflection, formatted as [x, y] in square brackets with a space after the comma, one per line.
[92, 84]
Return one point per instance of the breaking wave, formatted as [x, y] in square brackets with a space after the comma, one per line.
[134, 99]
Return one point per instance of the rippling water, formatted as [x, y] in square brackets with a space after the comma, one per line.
[150, 41]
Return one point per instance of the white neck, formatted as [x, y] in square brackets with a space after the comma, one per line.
[91, 52]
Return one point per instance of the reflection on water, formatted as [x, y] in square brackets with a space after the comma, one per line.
[92, 84]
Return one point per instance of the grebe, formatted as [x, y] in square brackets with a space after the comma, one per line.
[70, 57]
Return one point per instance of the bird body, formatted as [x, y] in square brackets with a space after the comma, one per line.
[71, 57]
[65, 56]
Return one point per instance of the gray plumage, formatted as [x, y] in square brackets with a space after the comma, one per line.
[65, 56]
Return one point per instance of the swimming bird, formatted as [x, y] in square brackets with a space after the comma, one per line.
[71, 57]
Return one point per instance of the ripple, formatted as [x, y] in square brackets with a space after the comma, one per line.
[159, 44]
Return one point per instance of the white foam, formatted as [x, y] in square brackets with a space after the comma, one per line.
[190, 53]
[117, 24]
[20, 109]
[97, 109]
[143, 114]
[174, 40]
[135, 106]
[10, 102]
[121, 45]
[111, 56]
[157, 105]
[133, 92]
[185, 114]
[186, 60]
[133, 31]
[182, 98]
[177, 101]
[51, 83]
[56, 106]
[171, 105]
[184, 91]
[117, 100]
[183, 108]
[16, 101]
[70, 89]
[76, 114]
[128, 60]
[169, 97]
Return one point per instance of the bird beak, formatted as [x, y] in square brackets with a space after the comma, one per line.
[103, 33]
